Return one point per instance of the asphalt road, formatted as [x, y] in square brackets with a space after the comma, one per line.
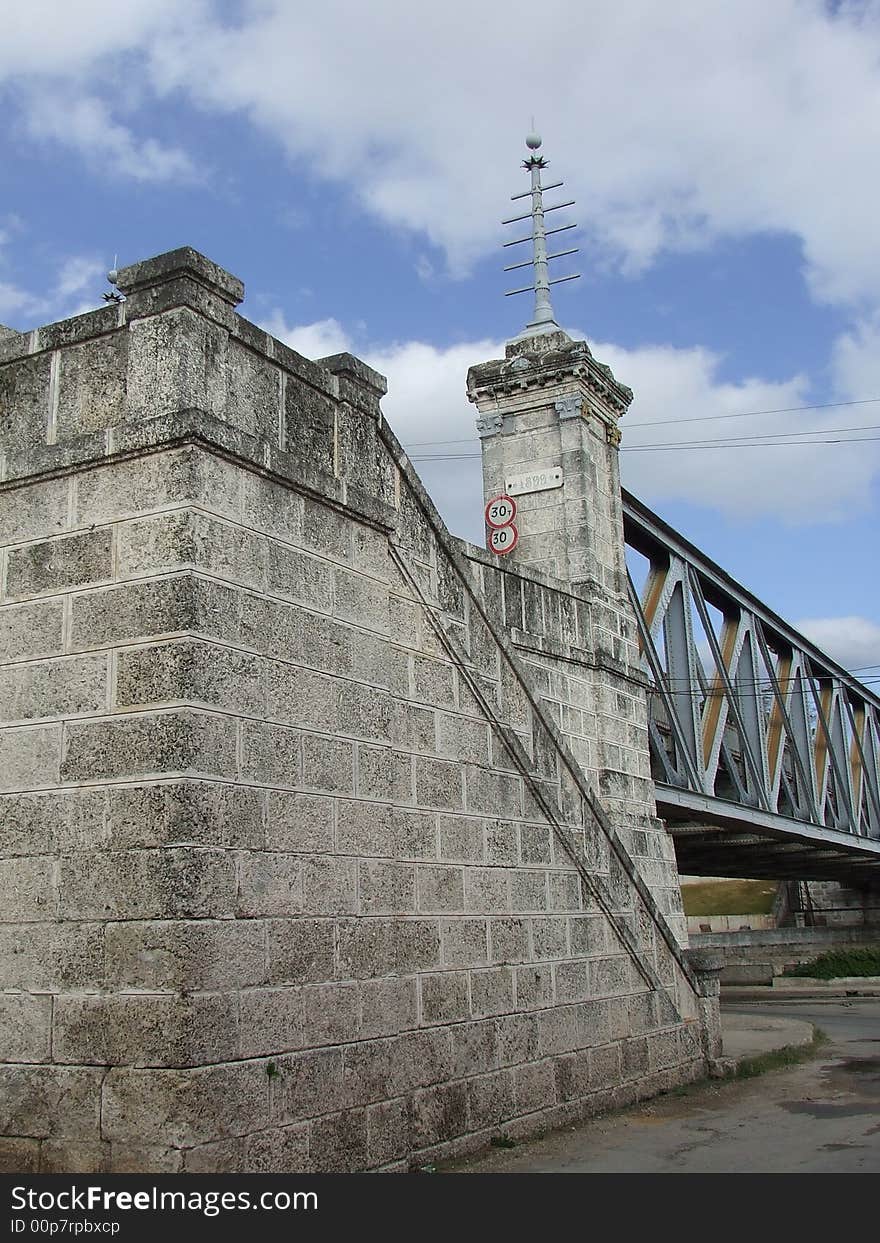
[821, 1116]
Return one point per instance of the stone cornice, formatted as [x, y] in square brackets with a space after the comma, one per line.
[530, 367]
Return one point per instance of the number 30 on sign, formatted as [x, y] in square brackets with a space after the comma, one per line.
[503, 539]
[500, 511]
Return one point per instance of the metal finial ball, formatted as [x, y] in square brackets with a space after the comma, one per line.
[533, 141]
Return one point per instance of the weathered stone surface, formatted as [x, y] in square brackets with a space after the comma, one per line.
[25, 1027]
[58, 1101]
[184, 1107]
[140, 745]
[210, 954]
[29, 757]
[31, 630]
[190, 538]
[70, 686]
[174, 883]
[34, 510]
[192, 671]
[24, 401]
[52, 565]
[143, 1030]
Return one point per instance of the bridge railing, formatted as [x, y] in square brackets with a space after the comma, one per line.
[743, 707]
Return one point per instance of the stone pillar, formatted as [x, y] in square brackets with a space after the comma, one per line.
[548, 425]
[707, 966]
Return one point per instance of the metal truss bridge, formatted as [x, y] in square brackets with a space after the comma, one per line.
[765, 753]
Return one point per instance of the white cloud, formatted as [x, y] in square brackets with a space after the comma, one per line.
[86, 124]
[75, 288]
[674, 125]
[315, 340]
[853, 642]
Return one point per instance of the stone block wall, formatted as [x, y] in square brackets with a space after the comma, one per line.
[305, 864]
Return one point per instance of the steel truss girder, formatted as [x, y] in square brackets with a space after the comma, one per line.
[753, 714]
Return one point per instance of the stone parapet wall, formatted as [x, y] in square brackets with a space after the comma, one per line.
[307, 861]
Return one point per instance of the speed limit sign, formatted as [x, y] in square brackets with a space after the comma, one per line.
[503, 539]
[500, 511]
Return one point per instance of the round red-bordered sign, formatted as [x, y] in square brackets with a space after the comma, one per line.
[503, 539]
[500, 511]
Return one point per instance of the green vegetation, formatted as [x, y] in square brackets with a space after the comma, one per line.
[789, 1055]
[864, 960]
[729, 897]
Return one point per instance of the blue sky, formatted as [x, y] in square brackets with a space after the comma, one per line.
[352, 165]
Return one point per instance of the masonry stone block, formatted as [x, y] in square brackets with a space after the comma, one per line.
[175, 883]
[444, 997]
[271, 1021]
[388, 1006]
[120, 490]
[534, 1087]
[48, 688]
[534, 986]
[24, 401]
[58, 1101]
[461, 838]
[167, 813]
[47, 957]
[143, 1030]
[490, 1099]
[31, 630]
[383, 773]
[30, 886]
[19, 1156]
[129, 746]
[386, 888]
[330, 885]
[492, 991]
[438, 784]
[518, 1038]
[464, 942]
[331, 1013]
[271, 754]
[184, 1107]
[178, 955]
[372, 947]
[486, 889]
[388, 1132]
[549, 937]
[302, 823]
[439, 1114]
[328, 764]
[269, 884]
[528, 891]
[25, 1027]
[52, 565]
[193, 671]
[29, 756]
[33, 510]
[300, 697]
[440, 889]
[300, 950]
[277, 1150]
[296, 576]
[308, 1084]
[190, 538]
[339, 1142]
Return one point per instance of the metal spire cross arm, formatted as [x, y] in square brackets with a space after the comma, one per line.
[543, 319]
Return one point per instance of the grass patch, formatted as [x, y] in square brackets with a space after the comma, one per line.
[863, 960]
[788, 1055]
[729, 897]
